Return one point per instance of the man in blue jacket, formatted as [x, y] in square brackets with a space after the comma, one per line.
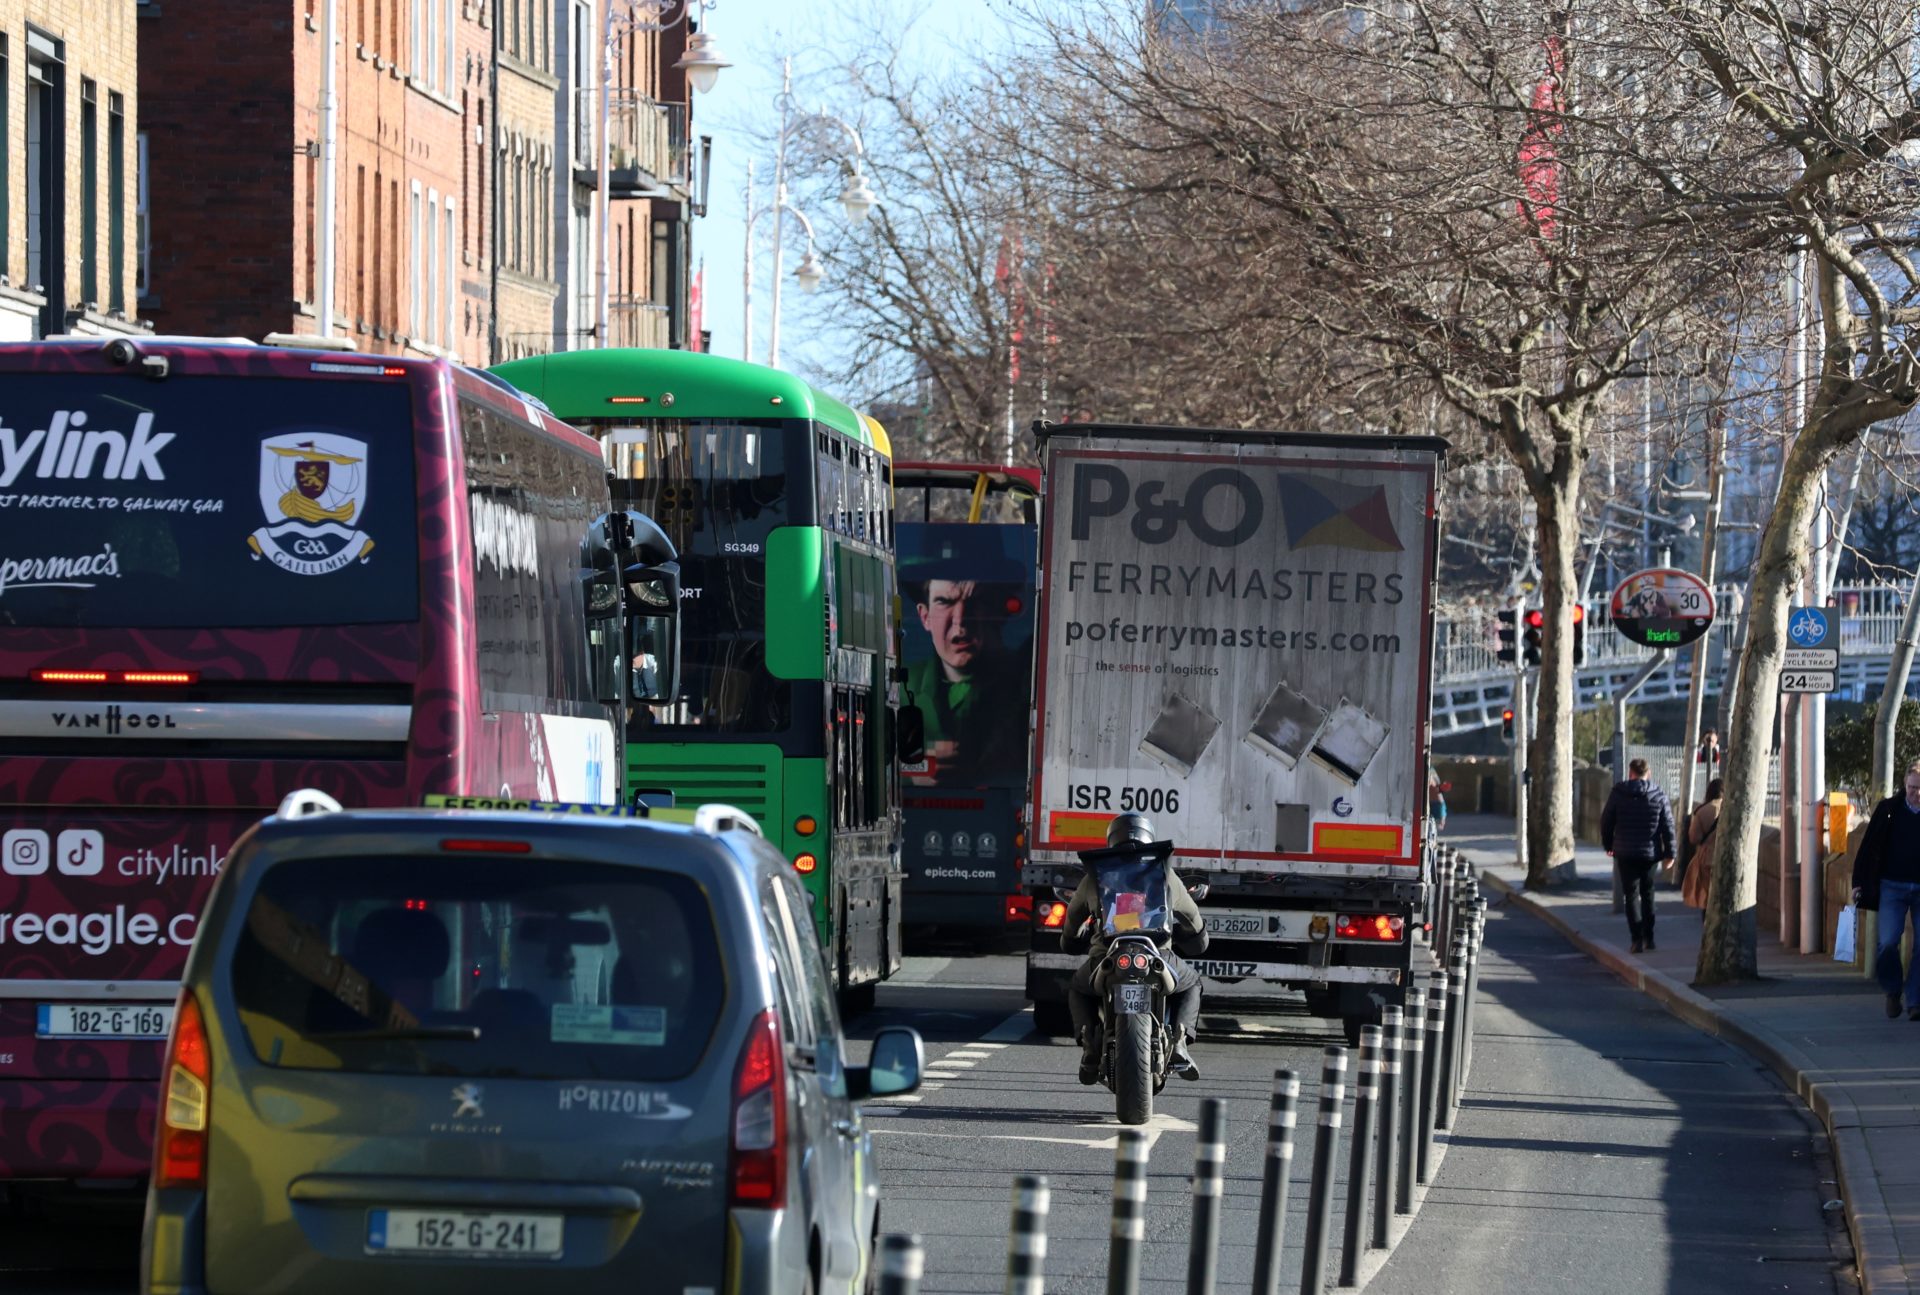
[1636, 828]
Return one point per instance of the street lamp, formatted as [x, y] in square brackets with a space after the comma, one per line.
[701, 61]
[856, 199]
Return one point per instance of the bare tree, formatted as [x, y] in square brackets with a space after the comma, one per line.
[1827, 94]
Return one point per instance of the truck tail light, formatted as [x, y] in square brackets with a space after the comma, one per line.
[1019, 908]
[759, 1175]
[180, 1152]
[1053, 915]
[1368, 926]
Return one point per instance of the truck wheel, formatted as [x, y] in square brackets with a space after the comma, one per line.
[1053, 1019]
[1133, 1068]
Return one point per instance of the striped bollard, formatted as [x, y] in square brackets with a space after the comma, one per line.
[1387, 1151]
[1450, 1044]
[1209, 1174]
[1272, 1235]
[1430, 1070]
[1473, 979]
[901, 1263]
[1365, 1089]
[1027, 1240]
[1129, 1213]
[1414, 1037]
[1326, 1145]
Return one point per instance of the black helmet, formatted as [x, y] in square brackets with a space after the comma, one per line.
[1129, 829]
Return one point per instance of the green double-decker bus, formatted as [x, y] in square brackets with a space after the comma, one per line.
[779, 499]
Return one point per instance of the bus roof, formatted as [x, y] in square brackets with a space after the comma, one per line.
[584, 384]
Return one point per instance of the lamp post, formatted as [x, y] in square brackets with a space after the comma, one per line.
[857, 198]
[701, 61]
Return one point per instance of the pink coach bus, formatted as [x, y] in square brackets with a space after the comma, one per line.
[227, 572]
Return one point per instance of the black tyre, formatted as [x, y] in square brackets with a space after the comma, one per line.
[1053, 1019]
[1133, 1068]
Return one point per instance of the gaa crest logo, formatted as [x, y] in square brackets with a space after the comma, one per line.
[313, 489]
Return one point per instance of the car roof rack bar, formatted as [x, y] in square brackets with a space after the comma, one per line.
[307, 802]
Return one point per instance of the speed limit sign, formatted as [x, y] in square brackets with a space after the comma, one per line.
[1662, 607]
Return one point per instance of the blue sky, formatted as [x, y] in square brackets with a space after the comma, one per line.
[741, 114]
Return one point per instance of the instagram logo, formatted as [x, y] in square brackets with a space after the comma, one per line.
[24, 851]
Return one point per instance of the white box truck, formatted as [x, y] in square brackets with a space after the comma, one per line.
[1235, 638]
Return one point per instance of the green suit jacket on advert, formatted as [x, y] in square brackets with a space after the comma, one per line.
[983, 715]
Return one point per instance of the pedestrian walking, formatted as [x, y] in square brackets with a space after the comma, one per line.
[1886, 879]
[1636, 828]
[1696, 887]
[1437, 801]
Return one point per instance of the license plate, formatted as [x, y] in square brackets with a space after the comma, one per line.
[464, 1234]
[104, 1020]
[1236, 924]
[1133, 999]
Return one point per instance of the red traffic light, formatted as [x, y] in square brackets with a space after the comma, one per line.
[1506, 715]
[1579, 613]
[1535, 618]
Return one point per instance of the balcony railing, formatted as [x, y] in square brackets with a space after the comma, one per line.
[648, 145]
[637, 321]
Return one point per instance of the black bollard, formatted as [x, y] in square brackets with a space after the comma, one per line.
[1272, 1236]
[901, 1262]
[1430, 1069]
[1027, 1238]
[1474, 948]
[1209, 1173]
[1366, 1088]
[1449, 1096]
[1129, 1213]
[1413, 1038]
[1326, 1145]
[1386, 1152]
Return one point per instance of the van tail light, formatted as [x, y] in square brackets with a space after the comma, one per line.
[759, 1176]
[1019, 908]
[180, 1152]
[1053, 915]
[1378, 927]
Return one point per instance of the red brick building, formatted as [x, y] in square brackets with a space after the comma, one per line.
[454, 119]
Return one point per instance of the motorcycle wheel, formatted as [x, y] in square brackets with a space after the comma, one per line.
[1133, 1068]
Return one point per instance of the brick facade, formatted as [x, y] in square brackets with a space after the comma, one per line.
[425, 173]
[68, 219]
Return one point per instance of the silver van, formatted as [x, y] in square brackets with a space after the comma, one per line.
[453, 1051]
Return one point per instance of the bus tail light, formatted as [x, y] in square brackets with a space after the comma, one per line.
[805, 863]
[481, 845]
[1019, 908]
[1368, 926]
[759, 1172]
[180, 1152]
[1054, 915]
[169, 678]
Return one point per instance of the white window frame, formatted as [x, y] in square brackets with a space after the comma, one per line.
[419, 35]
[419, 288]
[451, 319]
[430, 323]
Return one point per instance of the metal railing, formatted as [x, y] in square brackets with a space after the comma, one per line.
[649, 138]
[1472, 685]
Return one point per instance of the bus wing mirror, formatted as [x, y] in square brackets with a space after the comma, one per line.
[910, 733]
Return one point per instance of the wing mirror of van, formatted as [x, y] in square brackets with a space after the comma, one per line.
[910, 736]
[893, 1067]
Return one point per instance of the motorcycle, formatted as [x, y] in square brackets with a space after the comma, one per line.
[1132, 982]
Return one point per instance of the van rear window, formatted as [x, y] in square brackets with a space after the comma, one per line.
[479, 967]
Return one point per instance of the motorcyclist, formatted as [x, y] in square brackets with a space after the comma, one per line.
[1082, 932]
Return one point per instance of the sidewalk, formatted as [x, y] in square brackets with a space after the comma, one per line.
[1817, 1023]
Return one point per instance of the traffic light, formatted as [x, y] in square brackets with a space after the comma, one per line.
[1506, 725]
[1536, 623]
[1506, 631]
[1579, 634]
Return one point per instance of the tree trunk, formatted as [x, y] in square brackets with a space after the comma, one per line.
[1550, 800]
[1886, 718]
[1727, 946]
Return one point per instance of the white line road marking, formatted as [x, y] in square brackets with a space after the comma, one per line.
[993, 1047]
[1012, 1030]
[962, 1064]
[966, 1053]
[1161, 1123]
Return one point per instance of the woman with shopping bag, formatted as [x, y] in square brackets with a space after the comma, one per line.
[1702, 824]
